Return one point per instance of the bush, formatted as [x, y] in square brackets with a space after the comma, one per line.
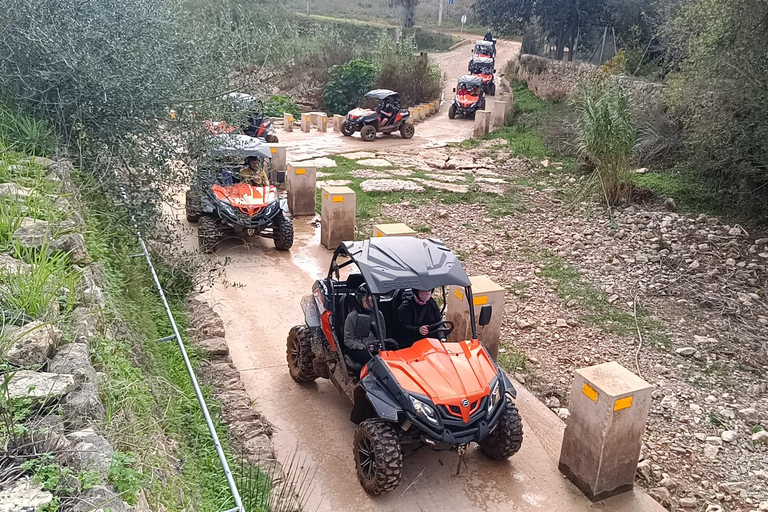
[23, 133]
[276, 106]
[606, 134]
[412, 76]
[347, 83]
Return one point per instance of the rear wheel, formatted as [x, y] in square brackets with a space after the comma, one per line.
[452, 112]
[346, 129]
[492, 89]
[368, 133]
[407, 130]
[208, 234]
[299, 354]
[506, 440]
[282, 227]
[272, 139]
[378, 456]
[193, 206]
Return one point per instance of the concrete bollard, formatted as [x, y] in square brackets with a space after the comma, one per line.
[300, 185]
[313, 117]
[498, 114]
[278, 151]
[398, 229]
[337, 122]
[322, 122]
[305, 122]
[602, 440]
[484, 292]
[337, 216]
[287, 122]
[482, 122]
[511, 100]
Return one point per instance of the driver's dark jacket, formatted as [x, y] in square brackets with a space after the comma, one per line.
[488, 37]
[351, 341]
[411, 316]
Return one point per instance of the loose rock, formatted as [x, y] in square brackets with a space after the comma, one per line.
[35, 343]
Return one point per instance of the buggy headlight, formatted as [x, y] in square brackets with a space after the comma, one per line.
[424, 410]
[494, 398]
[228, 209]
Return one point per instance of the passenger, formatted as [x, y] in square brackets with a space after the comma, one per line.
[415, 315]
[489, 36]
[386, 112]
[254, 172]
[361, 349]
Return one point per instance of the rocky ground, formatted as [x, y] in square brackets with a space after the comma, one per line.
[678, 299]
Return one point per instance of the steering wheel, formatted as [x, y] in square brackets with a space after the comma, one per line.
[442, 328]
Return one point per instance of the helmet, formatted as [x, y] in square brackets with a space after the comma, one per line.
[364, 297]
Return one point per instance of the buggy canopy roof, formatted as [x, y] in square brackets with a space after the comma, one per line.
[238, 145]
[483, 42]
[393, 263]
[380, 94]
[470, 80]
[485, 61]
[240, 98]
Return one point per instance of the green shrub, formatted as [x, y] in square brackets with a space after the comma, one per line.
[26, 134]
[277, 105]
[347, 83]
[411, 75]
[124, 478]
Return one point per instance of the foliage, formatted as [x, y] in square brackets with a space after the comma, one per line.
[430, 40]
[124, 478]
[347, 83]
[278, 105]
[409, 11]
[411, 75]
[22, 132]
[617, 65]
[606, 134]
[47, 471]
[720, 94]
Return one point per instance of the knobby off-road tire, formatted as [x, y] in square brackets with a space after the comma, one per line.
[407, 130]
[208, 234]
[492, 90]
[452, 112]
[506, 440]
[299, 354]
[283, 231]
[368, 133]
[193, 206]
[346, 130]
[378, 456]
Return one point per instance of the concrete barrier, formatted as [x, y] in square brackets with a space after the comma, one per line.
[484, 292]
[337, 216]
[314, 116]
[279, 162]
[398, 229]
[482, 122]
[337, 122]
[322, 122]
[305, 122]
[498, 114]
[601, 445]
[301, 187]
[288, 122]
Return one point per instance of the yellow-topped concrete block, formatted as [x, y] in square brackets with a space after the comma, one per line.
[484, 292]
[337, 216]
[397, 229]
[300, 184]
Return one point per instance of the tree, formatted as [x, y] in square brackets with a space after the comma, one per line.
[409, 6]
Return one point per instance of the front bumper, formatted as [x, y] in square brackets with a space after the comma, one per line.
[454, 431]
[240, 221]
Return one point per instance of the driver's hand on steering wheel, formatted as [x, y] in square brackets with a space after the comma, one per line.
[424, 330]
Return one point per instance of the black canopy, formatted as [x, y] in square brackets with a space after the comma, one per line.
[380, 94]
[488, 44]
[486, 61]
[393, 263]
[470, 80]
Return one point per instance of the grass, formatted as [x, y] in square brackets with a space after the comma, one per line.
[692, 193]
[512, 360]
[24, 133]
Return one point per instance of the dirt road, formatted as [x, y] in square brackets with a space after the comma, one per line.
[435, 131]
[260, 303]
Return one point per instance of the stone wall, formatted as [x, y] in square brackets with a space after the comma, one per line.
[555, 80]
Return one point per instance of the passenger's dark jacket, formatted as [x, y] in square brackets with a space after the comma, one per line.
[488, 36]
[411, 316]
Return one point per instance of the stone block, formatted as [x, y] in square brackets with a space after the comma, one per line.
[288, 122]
[482, 122]
[322, 122]
[602, 440]
[305, 123]
[315, 116]
[279, 156]
[498, 114]
[300, 186]
[397, 229]
[337, 217]
[484, 292]
[337, 121]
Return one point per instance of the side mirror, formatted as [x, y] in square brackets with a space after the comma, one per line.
[485, 315]
[280, 177]
[363, 326]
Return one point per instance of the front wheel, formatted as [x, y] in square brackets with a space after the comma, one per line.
[378, 456]
[506, 440]
[452, 112]
[299, 354]
[208, 234]
[282, 228]
[346, 129]
[368, 133]
[407, 130]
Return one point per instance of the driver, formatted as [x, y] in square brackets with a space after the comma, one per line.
[361, 349]
[489, 36]
[254, 172]
[415, 315]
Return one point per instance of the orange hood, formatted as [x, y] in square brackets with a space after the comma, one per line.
[249, 199]
[447, 373]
